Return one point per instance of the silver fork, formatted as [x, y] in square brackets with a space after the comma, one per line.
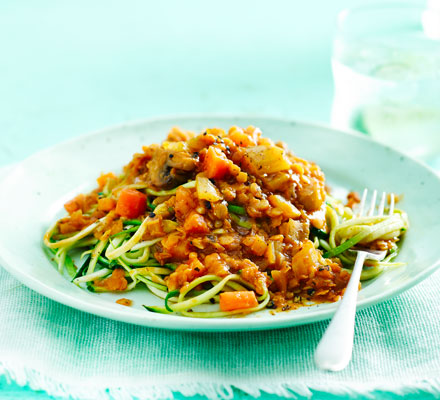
[335, 348]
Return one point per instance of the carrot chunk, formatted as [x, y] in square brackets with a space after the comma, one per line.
[216, 164]
[230, 301]
[131, 203]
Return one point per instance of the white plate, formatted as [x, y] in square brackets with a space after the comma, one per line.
[34, 192]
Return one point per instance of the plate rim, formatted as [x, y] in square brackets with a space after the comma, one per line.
[198, 324]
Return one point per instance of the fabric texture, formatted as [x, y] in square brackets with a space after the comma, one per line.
[69, 352]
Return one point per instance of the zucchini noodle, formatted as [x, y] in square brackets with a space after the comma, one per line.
[73, 239]
[183, 306]
[346, 231]
[111, 253]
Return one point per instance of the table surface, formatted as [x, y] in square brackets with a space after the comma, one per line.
[73, 67]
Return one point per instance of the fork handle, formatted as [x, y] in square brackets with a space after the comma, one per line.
[334, 350]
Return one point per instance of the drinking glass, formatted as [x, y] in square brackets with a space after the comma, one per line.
[386, 69]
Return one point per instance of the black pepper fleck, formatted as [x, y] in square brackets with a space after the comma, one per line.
[271, 304]
[152, 215]
[171, 156]
[208, 205]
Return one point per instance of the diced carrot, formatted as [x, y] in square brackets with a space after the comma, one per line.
[195, 223]
[230, 301]
[102, 180]
[106, 204]
[131, 203]
[216, 164]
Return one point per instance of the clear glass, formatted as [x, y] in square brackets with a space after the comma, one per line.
[386, 69]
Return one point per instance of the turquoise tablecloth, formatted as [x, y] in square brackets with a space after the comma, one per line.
[65, 351]
[71, 67]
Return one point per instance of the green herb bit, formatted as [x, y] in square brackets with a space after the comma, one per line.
[170, 210]
[107, 262]
[345, 246]
[150, 205]
[132, 222]
[170, 266]
[90, 287]
[155, 309]
[233, 208]
[103, 260]
[240, 221]
[134, 229]
[320, 234]
[173, 293]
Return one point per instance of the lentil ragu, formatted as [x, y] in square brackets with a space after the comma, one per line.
[224, 217]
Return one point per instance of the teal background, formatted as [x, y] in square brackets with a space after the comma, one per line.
[71, 67]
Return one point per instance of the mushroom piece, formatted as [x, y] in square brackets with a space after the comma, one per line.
[168, 169]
